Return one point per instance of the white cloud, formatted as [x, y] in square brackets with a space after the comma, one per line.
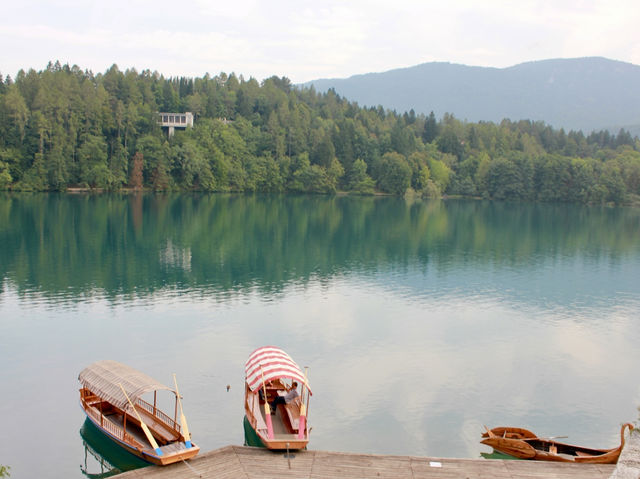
[304, 40]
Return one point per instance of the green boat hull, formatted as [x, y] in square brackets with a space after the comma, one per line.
[251, 437]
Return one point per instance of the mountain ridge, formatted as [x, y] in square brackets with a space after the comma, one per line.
[588, 93]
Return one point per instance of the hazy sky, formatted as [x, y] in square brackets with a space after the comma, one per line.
[309, 40]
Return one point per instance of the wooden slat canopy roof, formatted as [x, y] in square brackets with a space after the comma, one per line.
[103, 378]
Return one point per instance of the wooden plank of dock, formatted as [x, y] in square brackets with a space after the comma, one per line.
[255, 463]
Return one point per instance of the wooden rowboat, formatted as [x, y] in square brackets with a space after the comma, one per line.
[111, 397]
[524, 444]
[270, 372]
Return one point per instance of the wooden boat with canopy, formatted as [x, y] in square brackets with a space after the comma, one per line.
[111, 397]
[523, 444]
[271, 373]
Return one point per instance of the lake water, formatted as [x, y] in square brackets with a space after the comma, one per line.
[420, 321]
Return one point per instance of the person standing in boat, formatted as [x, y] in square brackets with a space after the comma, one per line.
[291, 394]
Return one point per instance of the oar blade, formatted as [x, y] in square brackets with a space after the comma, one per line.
[185, 429]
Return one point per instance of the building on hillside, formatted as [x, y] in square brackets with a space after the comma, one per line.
[171, 121]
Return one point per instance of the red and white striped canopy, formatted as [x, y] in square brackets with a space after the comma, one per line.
[269, 363]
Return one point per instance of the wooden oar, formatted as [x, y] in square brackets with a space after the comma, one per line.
[147, 433]
[267, 409]
[303, 408]
[183, 420]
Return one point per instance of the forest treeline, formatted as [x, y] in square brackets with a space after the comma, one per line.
[63, 127]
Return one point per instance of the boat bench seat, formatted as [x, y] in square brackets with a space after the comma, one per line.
[260, 424]
[158, 428]
[163, 433]
[92, 400]
[255, 409]
[293, 412]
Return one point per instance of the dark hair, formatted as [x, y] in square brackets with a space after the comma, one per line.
[294, 384]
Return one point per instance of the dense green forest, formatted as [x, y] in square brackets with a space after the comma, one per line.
[64, 127]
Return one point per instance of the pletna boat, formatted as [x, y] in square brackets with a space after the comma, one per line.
[271, 373]
[111, 397]
[524, 444]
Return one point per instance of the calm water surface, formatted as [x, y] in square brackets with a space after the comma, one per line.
[419, 321]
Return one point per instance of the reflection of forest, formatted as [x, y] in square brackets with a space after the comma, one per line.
[138, 243]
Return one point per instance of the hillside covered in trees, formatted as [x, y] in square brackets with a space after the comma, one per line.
[587, 94]
[64, 127]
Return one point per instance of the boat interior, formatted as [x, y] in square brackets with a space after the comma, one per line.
[105, 411]
[285, 418]
[566, 450]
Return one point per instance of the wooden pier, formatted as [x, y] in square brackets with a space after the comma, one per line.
[238, 462]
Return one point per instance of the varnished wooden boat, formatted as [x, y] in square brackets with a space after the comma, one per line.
[111, 397]
[270, 372]
[524, 444]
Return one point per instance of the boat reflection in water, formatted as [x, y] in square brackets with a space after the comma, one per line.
[498, 455]
[250, 436]
[102, 457]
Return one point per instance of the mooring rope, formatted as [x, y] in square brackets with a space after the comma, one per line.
[191, 467]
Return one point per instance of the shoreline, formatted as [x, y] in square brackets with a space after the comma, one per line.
[634, 202]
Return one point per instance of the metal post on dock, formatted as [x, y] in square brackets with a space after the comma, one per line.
[288, 457]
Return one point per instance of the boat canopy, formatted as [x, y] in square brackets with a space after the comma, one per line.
[268, 363]
[103, 378]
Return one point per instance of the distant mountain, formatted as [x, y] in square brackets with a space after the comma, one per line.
[575, 94]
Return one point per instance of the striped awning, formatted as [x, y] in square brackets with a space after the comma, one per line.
[269, 363]
[103, 378]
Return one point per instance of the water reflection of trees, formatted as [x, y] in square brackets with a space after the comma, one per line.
[136, 244]
[102, 457]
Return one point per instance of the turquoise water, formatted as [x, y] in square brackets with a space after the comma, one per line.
[419, 321]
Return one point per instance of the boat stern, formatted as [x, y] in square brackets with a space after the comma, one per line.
[171, 453]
